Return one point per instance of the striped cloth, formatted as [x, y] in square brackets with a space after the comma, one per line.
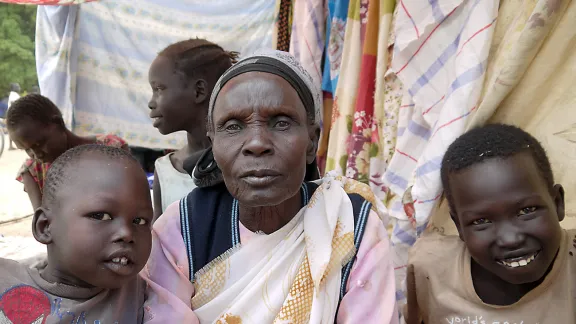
[308, 35]
[440, 55]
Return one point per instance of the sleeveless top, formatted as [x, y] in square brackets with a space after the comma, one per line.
[173, 184]
[213, 214]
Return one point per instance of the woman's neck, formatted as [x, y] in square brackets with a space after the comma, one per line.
[269, 219]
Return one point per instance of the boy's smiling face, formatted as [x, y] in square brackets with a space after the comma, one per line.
[508, 217]
[98, 228]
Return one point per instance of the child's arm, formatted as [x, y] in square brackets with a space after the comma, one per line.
[33, 190]
[157, 196]
[411, 311]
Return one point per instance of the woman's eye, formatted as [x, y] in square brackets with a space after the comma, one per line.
[480, 221]
[233, 127]
[282, 124]
[140, 221]
[526, 211]
[101, 216]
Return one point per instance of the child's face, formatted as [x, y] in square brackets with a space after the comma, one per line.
[44, 142]
[100, 223]
[508, 218]
[173, 104]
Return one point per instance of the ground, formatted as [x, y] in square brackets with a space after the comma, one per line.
[16, 240]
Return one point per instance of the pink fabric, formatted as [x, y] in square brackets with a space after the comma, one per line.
[370, 295]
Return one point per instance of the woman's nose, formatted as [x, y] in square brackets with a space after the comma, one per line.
[259, 143]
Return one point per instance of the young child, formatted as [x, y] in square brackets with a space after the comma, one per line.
[97, 228]
[512, 262]
[35, 124]
[182, 78]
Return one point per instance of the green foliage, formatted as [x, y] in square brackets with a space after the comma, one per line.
[17, 34]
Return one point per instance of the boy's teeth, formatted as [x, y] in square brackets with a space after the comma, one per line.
[122, 260]
[520, 263]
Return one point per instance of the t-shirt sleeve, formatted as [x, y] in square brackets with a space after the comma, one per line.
[169, 289]
[371, 289]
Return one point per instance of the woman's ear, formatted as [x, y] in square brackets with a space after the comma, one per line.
[41, 226]
[314, 134]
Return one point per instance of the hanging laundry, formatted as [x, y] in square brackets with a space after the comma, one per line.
[529, 83]
[335, 45]
[47, 2]
[93, 59]
[307, 36]
[284, 25]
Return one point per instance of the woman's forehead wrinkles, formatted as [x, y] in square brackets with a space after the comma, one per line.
[256, 93]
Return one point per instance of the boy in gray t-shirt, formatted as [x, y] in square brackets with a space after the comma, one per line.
[95, 220]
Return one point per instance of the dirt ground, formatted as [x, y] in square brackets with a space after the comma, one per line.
[16, 240]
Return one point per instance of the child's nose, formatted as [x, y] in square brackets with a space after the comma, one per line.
[509, 237]
[124, 233]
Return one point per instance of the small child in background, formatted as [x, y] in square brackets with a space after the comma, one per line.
[182, 78]
[97, 229]
[512, 262]
[36, 125]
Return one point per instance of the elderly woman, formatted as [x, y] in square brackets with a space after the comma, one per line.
[267, 246]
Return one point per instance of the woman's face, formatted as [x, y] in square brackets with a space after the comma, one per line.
[262, 139]
[44, 142]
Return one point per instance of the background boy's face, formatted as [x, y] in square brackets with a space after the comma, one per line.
[100, 223]
[173, 104]
[507, 217]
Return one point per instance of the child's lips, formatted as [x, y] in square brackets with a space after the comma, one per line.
[121, 269]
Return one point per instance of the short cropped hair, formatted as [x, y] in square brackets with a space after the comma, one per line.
[489, 142]
[34, 107]
[58, 173]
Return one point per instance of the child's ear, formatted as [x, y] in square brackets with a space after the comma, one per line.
[41, 226]
[58, 121]
[457, 223]
[559, 202]
[201, 89]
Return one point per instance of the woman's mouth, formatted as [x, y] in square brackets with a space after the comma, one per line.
[521, 261]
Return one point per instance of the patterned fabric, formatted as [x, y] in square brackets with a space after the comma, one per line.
[301, 257]
[529, 85]
[283, 38]
[38, 170]
[440, 56]
[307, 40]
[47, 2]
[93, 59]
[338, 13]
[357, 116]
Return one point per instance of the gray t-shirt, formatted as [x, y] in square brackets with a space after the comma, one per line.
[27, 298]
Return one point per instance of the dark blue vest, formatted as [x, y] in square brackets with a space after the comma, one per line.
[209, 222]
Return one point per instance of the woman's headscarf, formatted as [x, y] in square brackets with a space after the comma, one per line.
[282, 64]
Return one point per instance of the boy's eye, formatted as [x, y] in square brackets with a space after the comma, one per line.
[480, 221]
[140, 221]
[526, 211]
[101, 216]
